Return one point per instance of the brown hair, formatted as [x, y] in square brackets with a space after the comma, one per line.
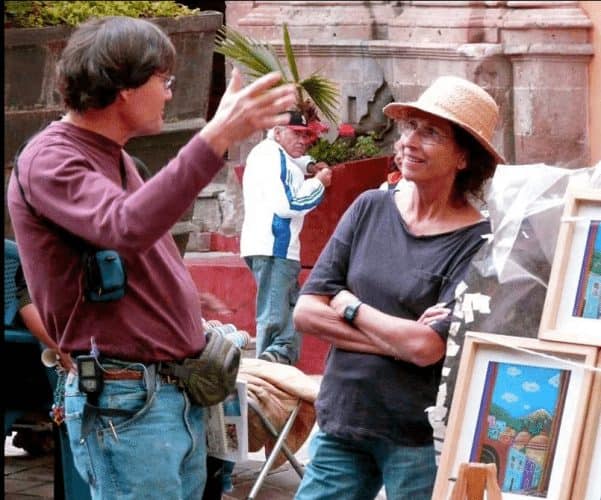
[106, 55]
[480, 164]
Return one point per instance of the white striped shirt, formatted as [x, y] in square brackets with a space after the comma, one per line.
[276, 198]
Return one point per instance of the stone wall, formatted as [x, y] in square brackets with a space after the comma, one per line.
[533, 57]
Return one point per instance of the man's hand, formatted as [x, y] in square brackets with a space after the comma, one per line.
[313, 167]
[324, 175]
[244, 110]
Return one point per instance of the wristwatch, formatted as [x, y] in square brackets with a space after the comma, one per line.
[350, 312]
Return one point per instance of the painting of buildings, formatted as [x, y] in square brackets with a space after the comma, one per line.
[518, 424]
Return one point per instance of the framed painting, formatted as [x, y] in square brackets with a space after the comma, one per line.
[587, 485]
[519, 403]
[572, 310]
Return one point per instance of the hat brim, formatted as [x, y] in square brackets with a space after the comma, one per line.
[399, 110]
[298, 128]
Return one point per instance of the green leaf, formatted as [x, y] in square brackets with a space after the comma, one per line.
[324, 93]
[290, 55]
[258, 58]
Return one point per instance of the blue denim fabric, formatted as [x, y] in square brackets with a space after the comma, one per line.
[356, 470]
[277, 293]
[158, 452]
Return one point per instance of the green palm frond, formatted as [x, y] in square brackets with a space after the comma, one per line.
[324, 93]
[258, 58]
[290, 55]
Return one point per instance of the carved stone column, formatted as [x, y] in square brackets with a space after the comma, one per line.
[549, 49]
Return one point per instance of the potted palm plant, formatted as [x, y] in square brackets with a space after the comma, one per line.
[259, 58]
[316, 92]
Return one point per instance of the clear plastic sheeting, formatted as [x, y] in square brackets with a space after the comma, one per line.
[525, 203]
[506, 283]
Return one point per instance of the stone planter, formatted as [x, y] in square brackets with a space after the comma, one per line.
[31, 100]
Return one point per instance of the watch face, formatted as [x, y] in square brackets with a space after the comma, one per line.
[350, 312]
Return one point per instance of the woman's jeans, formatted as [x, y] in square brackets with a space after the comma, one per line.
[157, 451]
[277, 293]
[357, 469]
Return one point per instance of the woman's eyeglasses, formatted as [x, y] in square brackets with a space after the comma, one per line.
[427, 133]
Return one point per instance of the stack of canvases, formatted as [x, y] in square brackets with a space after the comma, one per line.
[532, 406]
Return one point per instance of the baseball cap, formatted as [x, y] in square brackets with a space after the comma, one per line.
[297, 120]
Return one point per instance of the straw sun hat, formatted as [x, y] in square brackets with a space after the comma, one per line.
[460, 101]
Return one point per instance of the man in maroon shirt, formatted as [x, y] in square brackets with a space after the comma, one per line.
[75, 188]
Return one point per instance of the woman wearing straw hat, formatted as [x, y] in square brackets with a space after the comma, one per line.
[382, 293]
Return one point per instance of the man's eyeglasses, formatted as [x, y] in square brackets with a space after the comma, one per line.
[427, 133]
[168, 81]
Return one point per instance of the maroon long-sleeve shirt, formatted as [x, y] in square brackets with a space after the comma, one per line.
[71, 178]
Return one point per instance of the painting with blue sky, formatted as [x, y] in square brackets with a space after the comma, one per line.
[519, 389]
[518, 422]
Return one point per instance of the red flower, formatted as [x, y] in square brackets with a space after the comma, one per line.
[346, 130]
[317, 127]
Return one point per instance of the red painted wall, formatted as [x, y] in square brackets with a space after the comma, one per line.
[229, 279]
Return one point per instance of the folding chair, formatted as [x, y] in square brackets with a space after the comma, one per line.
[280, 445]
[281, 416]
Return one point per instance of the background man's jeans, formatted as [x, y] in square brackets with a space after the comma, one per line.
[158, 452]
[277, 293]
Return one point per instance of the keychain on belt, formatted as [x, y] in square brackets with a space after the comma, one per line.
[57, 413]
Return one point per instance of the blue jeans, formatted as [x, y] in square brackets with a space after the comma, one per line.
[277, 293]
[157, 452]
[356, 470]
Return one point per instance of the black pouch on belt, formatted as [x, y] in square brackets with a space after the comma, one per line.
[211, 377]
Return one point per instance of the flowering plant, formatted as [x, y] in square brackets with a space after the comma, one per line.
[348, 146]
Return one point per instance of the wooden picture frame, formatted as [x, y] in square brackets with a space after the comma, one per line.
[572, 309]
[524, 425]
[587, 485]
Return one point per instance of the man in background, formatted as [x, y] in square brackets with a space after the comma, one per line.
[277, 196]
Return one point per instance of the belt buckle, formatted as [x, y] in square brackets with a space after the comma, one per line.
[169, 379]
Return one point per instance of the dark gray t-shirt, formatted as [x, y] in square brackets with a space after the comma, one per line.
[373, 255]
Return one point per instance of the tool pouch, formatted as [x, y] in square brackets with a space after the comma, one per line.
[211, 377]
